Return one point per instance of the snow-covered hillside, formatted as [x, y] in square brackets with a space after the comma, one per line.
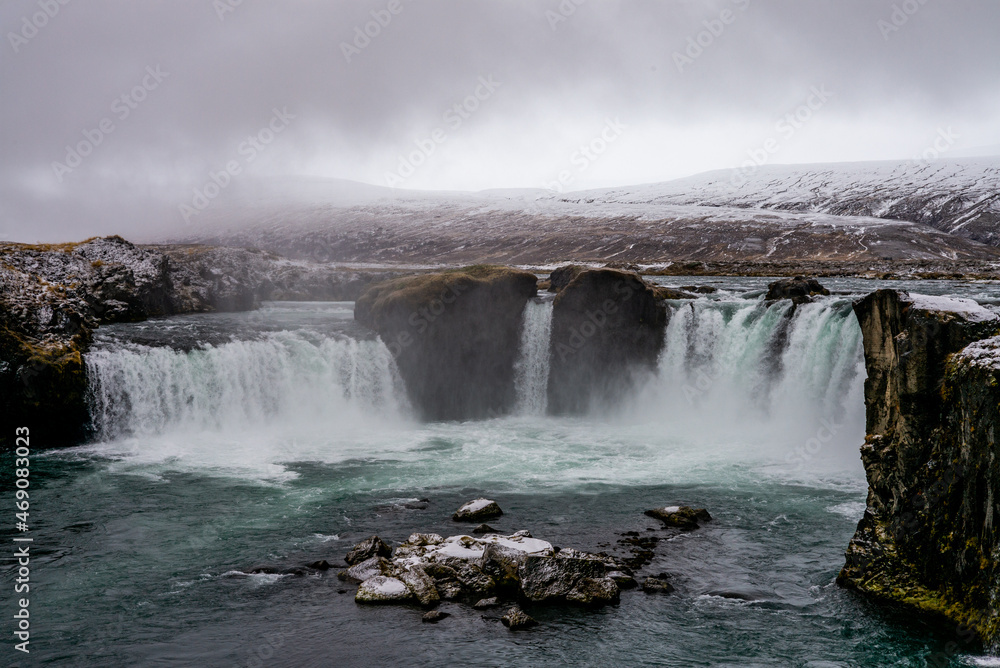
[836, 213]
[961, 197]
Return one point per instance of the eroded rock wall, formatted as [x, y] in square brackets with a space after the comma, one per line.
[928, 539]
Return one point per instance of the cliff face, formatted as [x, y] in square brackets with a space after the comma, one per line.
[455, 337]
[928, 538]
[607, 329]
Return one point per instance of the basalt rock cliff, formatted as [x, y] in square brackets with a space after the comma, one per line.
[930, 539]
[455, 336]
[607, 330]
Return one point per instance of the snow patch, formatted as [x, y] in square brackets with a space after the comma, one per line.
[967, 308]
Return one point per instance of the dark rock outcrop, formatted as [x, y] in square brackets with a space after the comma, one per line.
[799, 289]
[607, 330]
[561, 277]
[929, 537]
[517, 619]
[455, 336]
[663, 292]
[681, 517]
[366, 549]
[477, 510]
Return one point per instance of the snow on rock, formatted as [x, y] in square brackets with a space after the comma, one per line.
[983, 354]
[383, 589]
[477, 510]
[967, 308]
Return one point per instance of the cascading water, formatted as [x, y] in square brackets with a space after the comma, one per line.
[531, 372]
[745, 370]
[284, 377]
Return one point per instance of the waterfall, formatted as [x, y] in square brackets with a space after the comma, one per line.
[749, 370]
[285, 376]
[531, 371]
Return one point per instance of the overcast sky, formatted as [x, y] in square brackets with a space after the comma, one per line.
[656, 90]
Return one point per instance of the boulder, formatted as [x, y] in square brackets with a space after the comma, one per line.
[516, 619]
[501, 563]
[663, 292]
[928, 539]
[383, 589]
[681, 517]
[484, 528]
[455, 337]
[366, 549]
[486, 603]
[561, 277]
[421, 539]
[434, 616]
[477, 510]
[366, 569]
[607, 332]
[474, 581]
[623, 579]
[551, 579]
[594, 592]
[657, 584]
[700, 289]
[422, 585]
[799, 289]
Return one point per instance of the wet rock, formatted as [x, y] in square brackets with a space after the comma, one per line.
[550, 579]
[477, 510]
[663, 292]
[623, 579]
[594, 592]
[383, 589]
[501, 563]
[366, 549]
[607, 332]
[700, 289]
[484, 528]
[681, 517]
[422, 585]
[421, 539]
[432, 320]
[434, 616]
[799, 289]
[474, 581]
[926, 540]
[561, 277]
[486, 603]
[517, 619]
[321, 565]
[366, 569]
[657, 584]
